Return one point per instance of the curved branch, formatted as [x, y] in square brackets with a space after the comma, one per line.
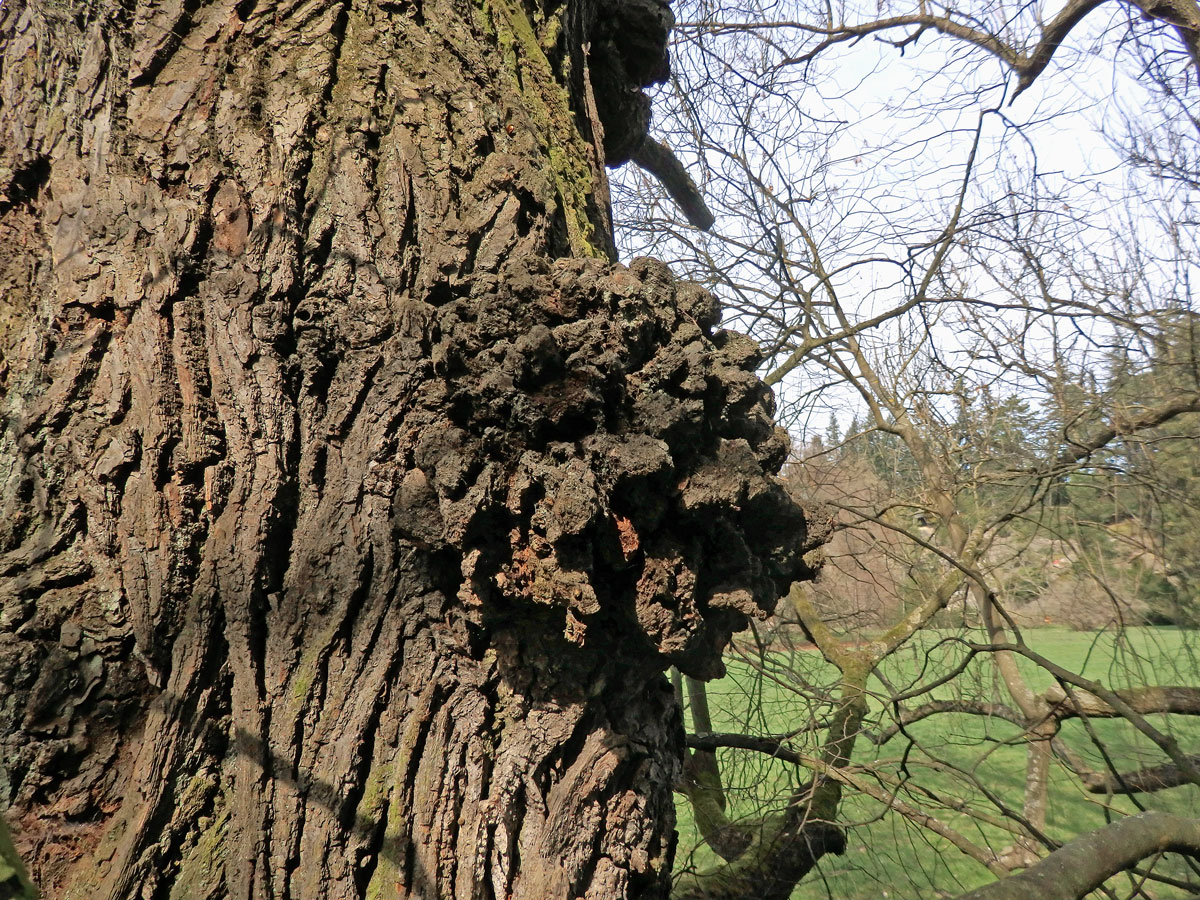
[660, 161]
[786, 846]
[702, 784]
[1052, 37]
[943, 24]
[1140, 781]
[1152, 417]
[1183, 16]
[770, 746]
[1184, 701]
[1027, 65]
[786, 849]
[967, 707]
[1166, 742]
[1087, 862]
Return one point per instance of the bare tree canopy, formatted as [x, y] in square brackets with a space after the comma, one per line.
[965, 237]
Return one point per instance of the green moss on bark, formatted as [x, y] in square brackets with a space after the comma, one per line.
[547, 102]
[14, 880]
[202, 871]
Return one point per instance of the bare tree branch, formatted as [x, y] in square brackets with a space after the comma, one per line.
[1027, 64]
[1087, 862]
[1083, 447]
[660, 161]
[968, 707]
[1143, 700]
[770, 746]
[1140, 781]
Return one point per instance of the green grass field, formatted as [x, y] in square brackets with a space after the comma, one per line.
[949, 759]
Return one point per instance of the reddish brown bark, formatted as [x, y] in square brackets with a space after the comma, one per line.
[347, 523]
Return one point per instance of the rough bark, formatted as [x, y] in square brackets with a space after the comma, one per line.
[348, 517]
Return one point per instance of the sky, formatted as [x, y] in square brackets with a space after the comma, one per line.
[865, 152]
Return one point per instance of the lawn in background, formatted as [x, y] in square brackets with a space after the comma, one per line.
[889, 857]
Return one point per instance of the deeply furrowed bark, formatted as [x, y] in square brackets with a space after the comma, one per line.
[349, 518]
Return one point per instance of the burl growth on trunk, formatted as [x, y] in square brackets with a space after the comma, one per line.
[592, 448]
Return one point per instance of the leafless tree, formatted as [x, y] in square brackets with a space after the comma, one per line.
[937, 281]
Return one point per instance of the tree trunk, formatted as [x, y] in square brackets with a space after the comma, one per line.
[349, 513]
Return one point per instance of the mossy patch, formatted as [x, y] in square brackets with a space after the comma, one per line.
[202, 869]
[547, 102]
[14, 880]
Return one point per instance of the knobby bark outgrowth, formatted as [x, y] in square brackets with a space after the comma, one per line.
[353, 500]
